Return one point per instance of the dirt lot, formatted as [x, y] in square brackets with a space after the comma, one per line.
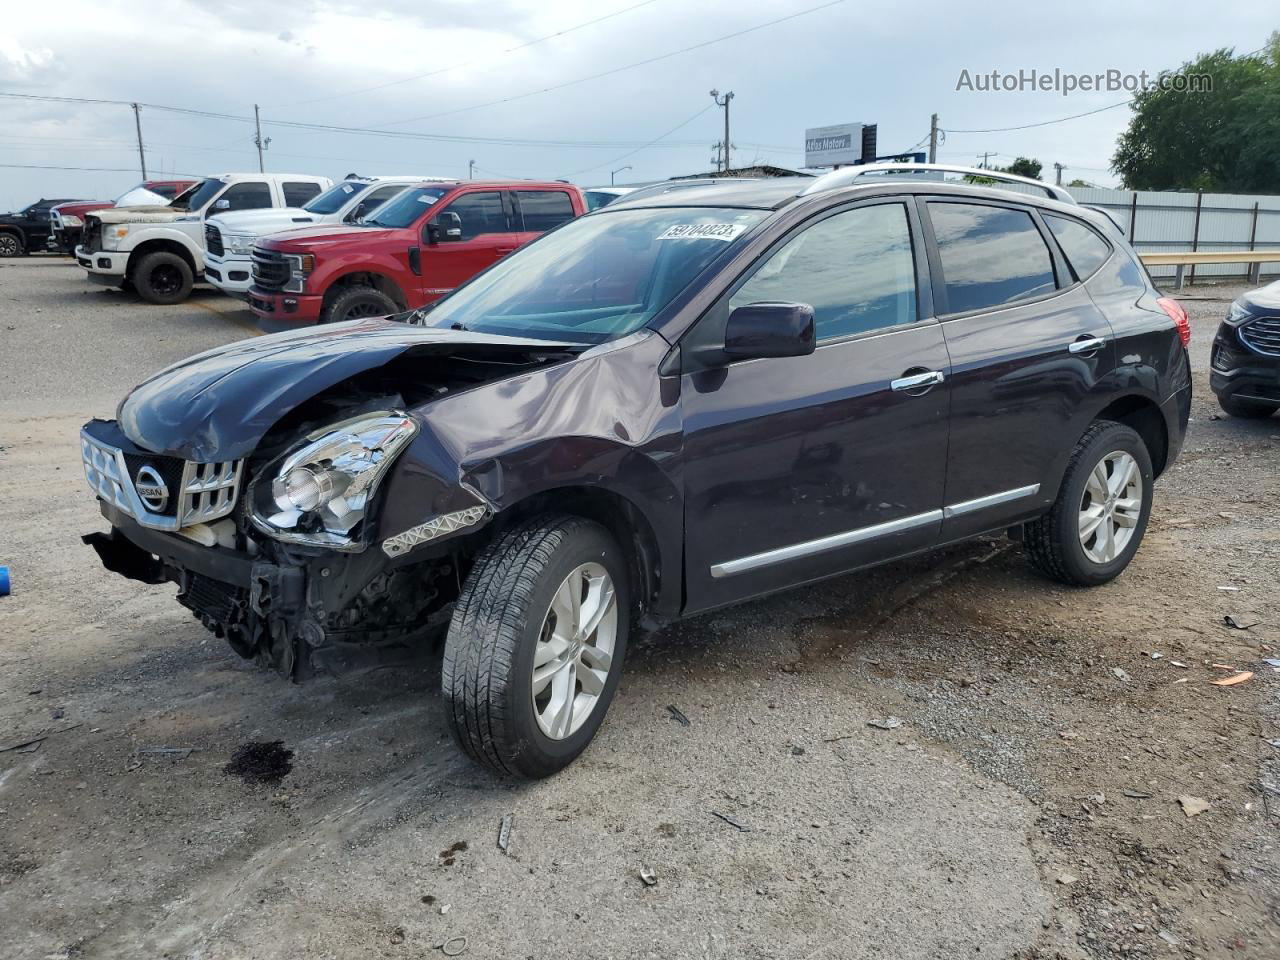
[1027, 806]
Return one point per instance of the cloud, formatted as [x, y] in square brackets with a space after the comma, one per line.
[28, 67]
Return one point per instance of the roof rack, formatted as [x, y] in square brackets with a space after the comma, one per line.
[848, 176]
[668, 186]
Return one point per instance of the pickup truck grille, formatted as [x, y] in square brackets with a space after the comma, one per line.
[270, 269]
[165, 493]
[1263, 335]
[213, 240]
[92, 236]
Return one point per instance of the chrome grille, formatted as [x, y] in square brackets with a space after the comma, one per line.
[213, 240]
[1262, 335]
[270, 269]
[205, 491]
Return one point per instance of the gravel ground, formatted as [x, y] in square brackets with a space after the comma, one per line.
[1027, 806]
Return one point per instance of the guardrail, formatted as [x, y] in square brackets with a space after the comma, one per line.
[1255, 259]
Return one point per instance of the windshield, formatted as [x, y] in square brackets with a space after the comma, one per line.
[331, 200]
[198, 196]
[596, 278]
[406, 207]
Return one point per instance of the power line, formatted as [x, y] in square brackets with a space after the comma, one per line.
[432, 73]
[683, 123]
[38, 166]
[1044, 123]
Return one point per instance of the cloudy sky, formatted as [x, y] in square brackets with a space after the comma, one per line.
[520, 70]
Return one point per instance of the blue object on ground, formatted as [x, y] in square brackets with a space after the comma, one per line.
[4, 581]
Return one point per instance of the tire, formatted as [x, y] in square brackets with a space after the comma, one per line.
[11, 245]
[356, 303]
[162, 278]
[1060, 543]
[506, 610]
[1247, 410]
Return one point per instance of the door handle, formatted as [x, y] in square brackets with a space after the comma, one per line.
[1087, 345]
[503, 251]
[930, 378]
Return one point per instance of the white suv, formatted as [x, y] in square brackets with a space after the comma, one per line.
[229, 237]
[160, 249]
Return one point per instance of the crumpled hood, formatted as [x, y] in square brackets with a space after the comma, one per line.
[257, 222]
[217, 405]
[147, 213]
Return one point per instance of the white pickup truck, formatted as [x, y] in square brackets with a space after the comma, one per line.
[159, 250]
[229, 237]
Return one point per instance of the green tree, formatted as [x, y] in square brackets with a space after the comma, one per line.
[1025, 167]
[1223, 138]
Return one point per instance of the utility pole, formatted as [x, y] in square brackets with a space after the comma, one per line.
[1059, 167]
[724, 102]
[471, 169]
[137, 124]
[933, 139]
[257, 139]
[984, 165]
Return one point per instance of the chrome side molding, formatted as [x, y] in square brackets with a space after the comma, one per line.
[991, 500]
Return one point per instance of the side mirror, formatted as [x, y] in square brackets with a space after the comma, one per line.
[222, 203]
[769, 330]
[446, 226]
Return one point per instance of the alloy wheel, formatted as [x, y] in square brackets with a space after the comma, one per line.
[364, 308]
[166, 280]
[574, 652]
[9, 245]
[1110, 506]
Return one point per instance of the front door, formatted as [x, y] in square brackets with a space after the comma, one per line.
[800, 467]
[487, 233]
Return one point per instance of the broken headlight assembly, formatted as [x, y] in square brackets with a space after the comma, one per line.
[320, 493]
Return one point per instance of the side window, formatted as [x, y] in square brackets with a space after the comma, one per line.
[375, 198]
[544, 209]
[480, 213]
[1085, 250]
[296, 193]
[991, 256]
[855, 269]
[249, 195]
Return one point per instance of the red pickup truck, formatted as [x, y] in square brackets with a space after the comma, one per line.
[416, 248]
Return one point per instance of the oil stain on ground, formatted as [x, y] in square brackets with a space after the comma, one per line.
[258, 762]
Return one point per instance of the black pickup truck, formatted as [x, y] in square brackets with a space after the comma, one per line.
[28, 229]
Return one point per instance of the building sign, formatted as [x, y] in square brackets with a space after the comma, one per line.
[828, 146]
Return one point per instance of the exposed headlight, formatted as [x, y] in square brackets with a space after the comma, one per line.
[300, 266]
[112, 234]
[1237, 315]
[70, 220]
[238, 242]
[319, 494]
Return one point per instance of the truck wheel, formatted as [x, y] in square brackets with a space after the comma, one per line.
[10, 245]
[357, 302]
[163, 278]
[536, 644]
[1094, 527]
[1246, 409]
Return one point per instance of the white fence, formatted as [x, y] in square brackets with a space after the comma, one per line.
[1158, 222]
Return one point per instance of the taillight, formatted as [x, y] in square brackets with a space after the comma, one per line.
[1179, 317]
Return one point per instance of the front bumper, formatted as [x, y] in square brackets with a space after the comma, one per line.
[231, 275]
[285, 309]
[1240, 373]
[105, 266]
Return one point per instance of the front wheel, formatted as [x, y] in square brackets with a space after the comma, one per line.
[10, 245]
[1247, 410]
[536, 644]
[1095, 526]
[356, 303]
[163, 278]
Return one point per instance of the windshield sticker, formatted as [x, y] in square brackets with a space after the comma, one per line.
[427, 199]
[346, 188]
[703, 231]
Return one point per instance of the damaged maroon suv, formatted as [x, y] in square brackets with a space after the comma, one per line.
[695, 396]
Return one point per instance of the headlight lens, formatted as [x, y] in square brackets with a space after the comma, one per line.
[238, 243]
[70, 220]
[1237, 315]
[112, 234]
[319, 494]
[300, 266]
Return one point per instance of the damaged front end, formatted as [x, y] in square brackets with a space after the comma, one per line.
[266, 517]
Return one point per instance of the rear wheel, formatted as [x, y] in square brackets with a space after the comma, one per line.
[1247, 409]
[163, 278]
[1095, 526]
[10, 245]
[355, 303]
[536, 644]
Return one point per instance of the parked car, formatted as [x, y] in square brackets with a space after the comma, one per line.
[598, 197]
[672, 404]
[159, 250]
[1244, 367]
[412, 251]
[66, 220]
[26, 230]
[229, 237]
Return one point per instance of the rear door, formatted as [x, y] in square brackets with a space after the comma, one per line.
[488, 233]
[1028, 347]
[540, 210]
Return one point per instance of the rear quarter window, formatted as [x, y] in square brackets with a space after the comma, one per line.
[296, 194]
[544, 209]
[991, 256]
[1085, 250]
